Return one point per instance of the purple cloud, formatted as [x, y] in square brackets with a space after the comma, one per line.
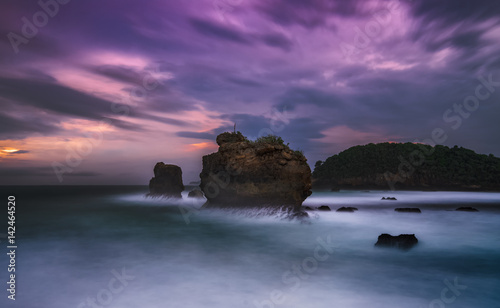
[170, 74]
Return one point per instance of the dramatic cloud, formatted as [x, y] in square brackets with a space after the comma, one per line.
[103, 85]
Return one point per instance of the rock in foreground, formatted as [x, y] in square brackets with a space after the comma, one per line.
[402, 241]
[263, 173]
[167, 181]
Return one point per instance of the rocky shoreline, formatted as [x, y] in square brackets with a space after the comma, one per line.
[404, 166]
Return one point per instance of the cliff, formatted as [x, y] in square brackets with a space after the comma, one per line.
[408, 166]
[261, 173]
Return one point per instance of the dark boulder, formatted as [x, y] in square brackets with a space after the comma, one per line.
[467, 209]
[408, 210]
[307, 208]
[196, 193]
[325, 208]
[348, 209]
[389, 198]
[167, 181]
[402, 241]
[300, 215]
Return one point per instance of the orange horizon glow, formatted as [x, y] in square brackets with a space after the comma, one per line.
[11, 150]
[201, 146]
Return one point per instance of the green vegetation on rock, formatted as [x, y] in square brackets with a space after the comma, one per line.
[272, 139]
[231, 137]
[412, 166]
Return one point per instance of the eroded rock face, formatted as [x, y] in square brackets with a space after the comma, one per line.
[254, 174]
[167, 181]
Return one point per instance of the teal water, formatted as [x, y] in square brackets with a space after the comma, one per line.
[73, 243]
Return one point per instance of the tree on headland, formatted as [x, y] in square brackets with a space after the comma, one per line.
[434, 167]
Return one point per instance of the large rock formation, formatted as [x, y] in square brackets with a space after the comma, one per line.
[408, 166]
[167, 181]
[262, 173]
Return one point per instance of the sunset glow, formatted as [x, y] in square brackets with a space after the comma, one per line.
[202, 145]
[135, 89]
[250, 153]
[10, 150]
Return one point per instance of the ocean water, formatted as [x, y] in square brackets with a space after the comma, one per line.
[113, 247]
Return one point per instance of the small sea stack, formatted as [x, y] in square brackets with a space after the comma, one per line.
[408, 210]
[167, 181]
[402, 241]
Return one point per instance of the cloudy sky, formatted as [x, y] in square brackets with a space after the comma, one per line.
[97, 92]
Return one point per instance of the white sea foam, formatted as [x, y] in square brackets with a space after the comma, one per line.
[248, 258]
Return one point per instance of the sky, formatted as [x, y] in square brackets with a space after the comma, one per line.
[97, 92]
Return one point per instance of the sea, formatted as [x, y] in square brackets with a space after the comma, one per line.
[112, 246]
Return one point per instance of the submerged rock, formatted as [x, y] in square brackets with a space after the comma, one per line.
[307, 208]
[402, 241]
[389, 198]
[348, 209]
[408, 210]
[300, 215]
[264, 173]
[196, 193]
[324, 208]
[167, 181]
[467, 209]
